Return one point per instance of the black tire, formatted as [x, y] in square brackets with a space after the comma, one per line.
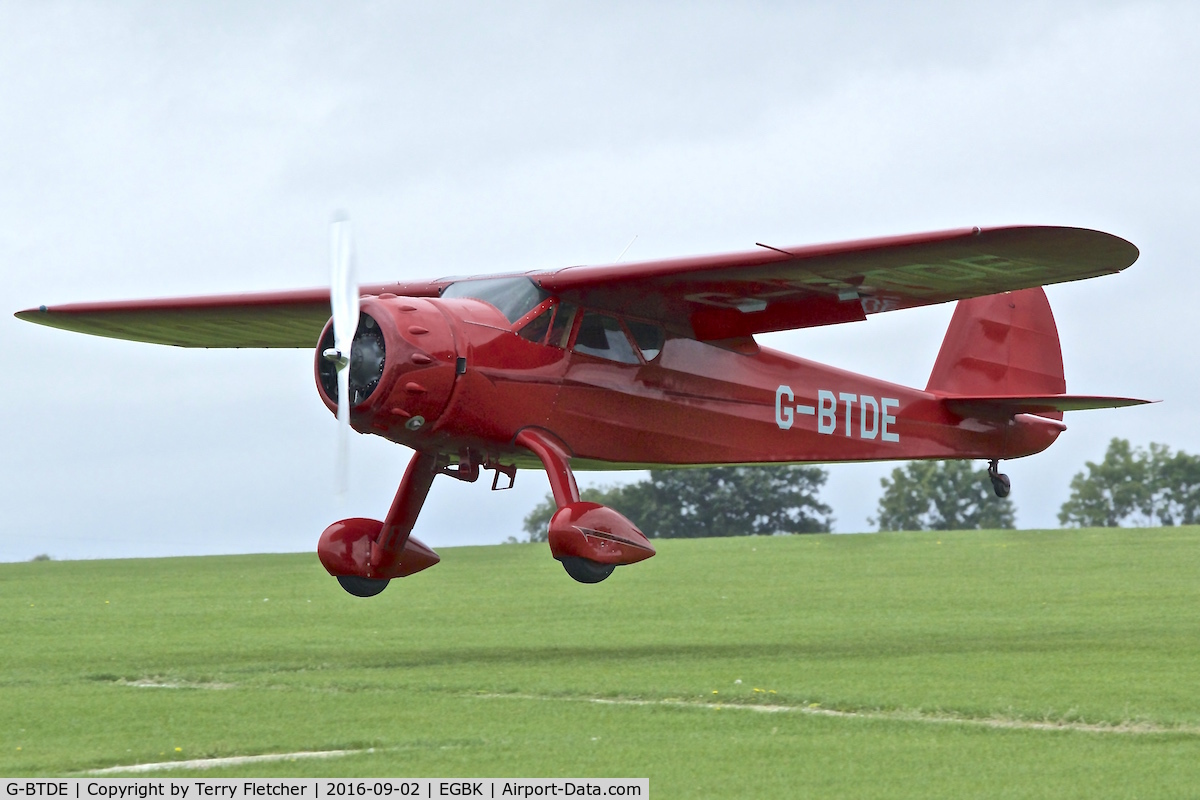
[362, 587]
[585, 570]
[1001, 485]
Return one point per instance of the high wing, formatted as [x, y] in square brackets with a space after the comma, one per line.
[716, 297]
[769, 289]
[266, 319]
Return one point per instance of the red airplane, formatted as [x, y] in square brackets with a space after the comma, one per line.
[652, 364]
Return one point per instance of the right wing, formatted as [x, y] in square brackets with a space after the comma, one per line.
[771, 289]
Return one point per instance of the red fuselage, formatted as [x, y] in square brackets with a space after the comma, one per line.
[475, 380]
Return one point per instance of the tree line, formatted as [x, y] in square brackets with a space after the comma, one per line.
[714, 501]
[1134, 485]
[1130, 486]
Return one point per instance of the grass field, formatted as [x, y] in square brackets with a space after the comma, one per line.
[996, 664]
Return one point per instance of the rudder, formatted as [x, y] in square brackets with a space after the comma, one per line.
[1001, 344]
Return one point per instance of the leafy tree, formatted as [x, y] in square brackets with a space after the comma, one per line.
[1135, 485]
[716, 501]
[1175, 499]
[941, 496]
[735, 501]
[1111, 491]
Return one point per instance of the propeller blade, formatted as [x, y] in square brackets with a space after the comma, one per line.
[343, 298]
[343, 289]
[343, 436]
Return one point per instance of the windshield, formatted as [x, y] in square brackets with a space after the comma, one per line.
[513, 297]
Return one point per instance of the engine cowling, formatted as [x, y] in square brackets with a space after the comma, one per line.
[403, 365]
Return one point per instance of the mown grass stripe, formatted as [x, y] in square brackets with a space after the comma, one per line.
[1007, 723]
[226, 761]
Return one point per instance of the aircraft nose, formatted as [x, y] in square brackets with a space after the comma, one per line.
[421, 362]
[367, 360]
[403, 365]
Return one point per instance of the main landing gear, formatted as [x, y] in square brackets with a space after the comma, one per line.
[588, 539]
[364, 554]
[1001, 485]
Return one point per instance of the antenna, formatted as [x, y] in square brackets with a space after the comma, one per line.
[626, 250]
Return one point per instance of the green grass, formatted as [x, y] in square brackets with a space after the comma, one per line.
[486, 665]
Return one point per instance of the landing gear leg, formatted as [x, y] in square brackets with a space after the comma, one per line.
[402, 516]
[1001, 485]
[553, 455]
[364, 554]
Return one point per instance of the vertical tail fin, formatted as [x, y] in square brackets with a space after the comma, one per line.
[1001, 344]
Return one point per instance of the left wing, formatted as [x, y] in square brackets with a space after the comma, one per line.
[770, 289]
[266, 319]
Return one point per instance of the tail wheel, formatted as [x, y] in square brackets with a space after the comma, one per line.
[362, 587]
[1001, 485]
[585, 570]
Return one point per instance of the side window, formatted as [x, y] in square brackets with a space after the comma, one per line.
[649, 338]
[564, 318]
[601, 335]
[535, 329]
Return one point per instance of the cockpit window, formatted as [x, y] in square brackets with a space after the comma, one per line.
[535, 329]
[560, 331]
[513, 297]
[649, 338]
[601, 335]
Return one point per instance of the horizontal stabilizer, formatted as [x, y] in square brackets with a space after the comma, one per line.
[1009, 405]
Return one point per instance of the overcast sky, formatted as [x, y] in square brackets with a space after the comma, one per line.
[157, 149]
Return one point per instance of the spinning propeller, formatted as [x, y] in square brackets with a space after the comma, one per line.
[343, 297]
